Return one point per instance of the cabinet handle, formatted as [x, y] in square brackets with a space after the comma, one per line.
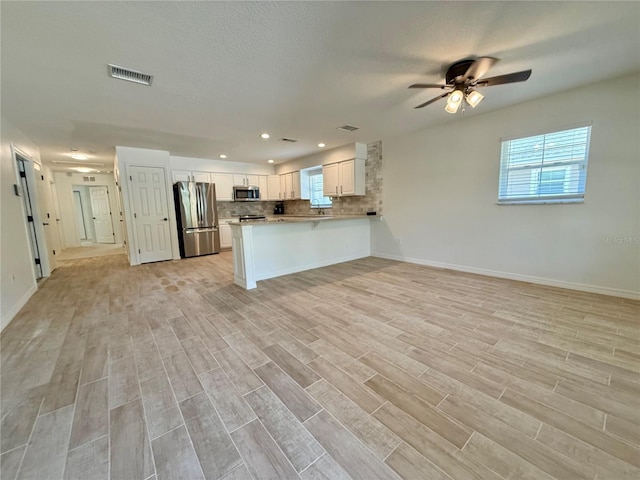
[336, 190]
[340, 189]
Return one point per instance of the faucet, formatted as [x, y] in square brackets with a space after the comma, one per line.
[320, 210]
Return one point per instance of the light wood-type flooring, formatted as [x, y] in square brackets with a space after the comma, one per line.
[371, 369]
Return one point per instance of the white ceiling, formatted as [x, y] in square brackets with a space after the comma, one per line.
[226, 71]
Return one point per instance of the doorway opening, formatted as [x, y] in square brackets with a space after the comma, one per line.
[93, 215]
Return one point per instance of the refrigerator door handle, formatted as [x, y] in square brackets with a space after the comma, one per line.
[200, 230]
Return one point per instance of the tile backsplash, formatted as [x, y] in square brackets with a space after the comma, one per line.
[370, 202]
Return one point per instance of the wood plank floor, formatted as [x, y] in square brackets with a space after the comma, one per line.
[371, 369]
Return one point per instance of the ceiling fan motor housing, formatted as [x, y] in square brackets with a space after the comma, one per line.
[458, 69]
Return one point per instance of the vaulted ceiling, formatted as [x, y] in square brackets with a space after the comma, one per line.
[224, 72]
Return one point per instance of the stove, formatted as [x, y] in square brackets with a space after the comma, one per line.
[252, 218]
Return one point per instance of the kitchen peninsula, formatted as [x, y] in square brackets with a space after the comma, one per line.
[289, 244]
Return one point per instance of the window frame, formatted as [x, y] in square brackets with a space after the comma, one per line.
[506, 166]
[317, 173]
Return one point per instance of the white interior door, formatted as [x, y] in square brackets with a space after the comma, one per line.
[151, 213]
[102, 215]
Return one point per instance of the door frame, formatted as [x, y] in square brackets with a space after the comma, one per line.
[30, 180]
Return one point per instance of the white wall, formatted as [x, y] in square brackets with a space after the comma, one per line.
[64, 186]
[17, 279]
[324, 157]
[218, 166]
[441, 184]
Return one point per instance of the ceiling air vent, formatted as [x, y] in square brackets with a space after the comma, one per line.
[130, 75]
[348, 128]
[290, 140]
[89, 179]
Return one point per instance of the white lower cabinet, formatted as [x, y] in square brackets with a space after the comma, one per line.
[225, 233]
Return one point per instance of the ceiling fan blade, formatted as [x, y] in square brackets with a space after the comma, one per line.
[432, 100]
[502, 79]
[427, 85]
[480, 67]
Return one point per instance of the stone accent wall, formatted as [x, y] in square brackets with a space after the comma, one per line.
[370, 202]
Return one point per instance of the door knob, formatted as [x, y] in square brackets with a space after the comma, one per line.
[45, 223]
[165, 219]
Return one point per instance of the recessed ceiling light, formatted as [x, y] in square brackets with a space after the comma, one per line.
[270, 160]
[83, 170]
[321, 145]
[265, 135]
[79, 156]
[223, 156]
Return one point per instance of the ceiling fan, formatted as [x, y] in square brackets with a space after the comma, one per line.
[464, 77]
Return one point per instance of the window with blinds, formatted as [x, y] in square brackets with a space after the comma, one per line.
[318, 200]
[548, 168]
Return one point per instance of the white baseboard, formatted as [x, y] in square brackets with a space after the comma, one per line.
[6, 320]
[310, 266]
[515, 276]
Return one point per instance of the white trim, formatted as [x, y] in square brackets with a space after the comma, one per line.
[10, 315]
[615, 292]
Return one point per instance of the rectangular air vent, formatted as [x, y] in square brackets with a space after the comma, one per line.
[290, 140]
[130, 75]
[89, 179]
[348, 128]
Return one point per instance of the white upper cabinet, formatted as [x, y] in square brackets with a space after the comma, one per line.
[344, 178]
[224, 186]
[290, 186]
[331, 180]
[263, 184]
[187, 176]
[273, 188]
[246, 180]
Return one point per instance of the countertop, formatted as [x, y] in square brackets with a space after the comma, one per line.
[271, 219]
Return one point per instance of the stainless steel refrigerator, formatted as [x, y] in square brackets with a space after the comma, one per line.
[197, 218]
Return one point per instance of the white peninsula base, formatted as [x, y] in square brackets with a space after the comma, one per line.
[264, 250]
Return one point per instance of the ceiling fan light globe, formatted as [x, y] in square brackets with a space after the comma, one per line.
[452, 107]
[455, 97]
[474, 98]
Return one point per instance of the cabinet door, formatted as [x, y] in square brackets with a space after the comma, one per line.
[283, 187]
[263, 184]
[330, 174]
[289, 186]
[252, 180]
[224, 186]
[225, 235]
[295, 185]
[180, 176]
[347, 177]
[201, 177]
[239, 179]
[273, 187]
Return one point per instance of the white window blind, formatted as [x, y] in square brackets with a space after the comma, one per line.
[318, 200]
[548, 168]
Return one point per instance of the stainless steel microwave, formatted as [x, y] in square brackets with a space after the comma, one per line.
[245, 194]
